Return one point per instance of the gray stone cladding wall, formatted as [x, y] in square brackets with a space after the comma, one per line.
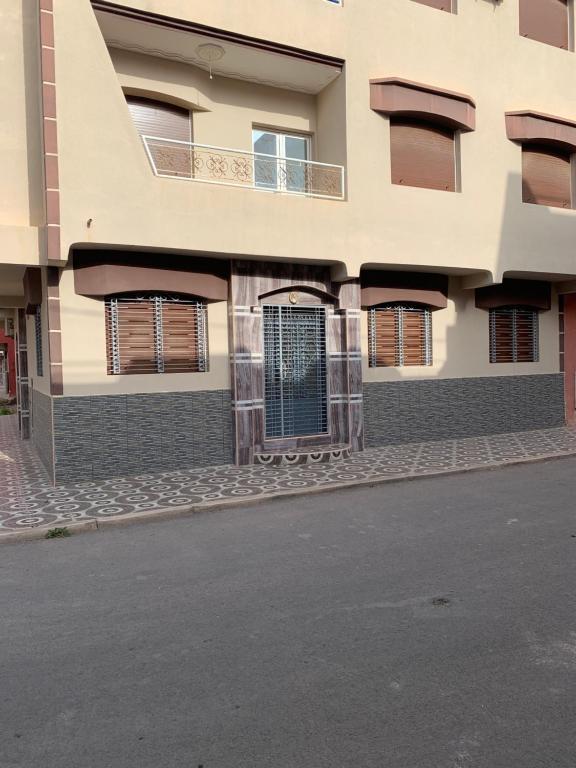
[438, 409]
[104, 436]
[41, 430]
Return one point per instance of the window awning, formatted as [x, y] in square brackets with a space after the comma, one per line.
[515, 293]
[384, 287]
[537, 127]
[396, 96]
[108, 273]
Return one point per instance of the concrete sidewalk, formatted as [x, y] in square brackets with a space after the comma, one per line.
[30, 505]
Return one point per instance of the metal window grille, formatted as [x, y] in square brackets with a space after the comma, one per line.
[38, 341]
[399, 335]
[156, 334]
[295, 385]
[514, 335]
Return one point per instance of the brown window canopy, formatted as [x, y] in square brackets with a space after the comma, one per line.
[403, 98]
[383, 287]
[107, 273]
[544, 129]
[545, 21]
[535, 294]
[32, 283]
[546, 176]
[422, 155]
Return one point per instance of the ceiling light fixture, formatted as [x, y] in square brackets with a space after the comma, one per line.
[210, 53]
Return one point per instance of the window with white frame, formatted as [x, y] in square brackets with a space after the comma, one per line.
[156, 334]
[399, 335]
[514, 335]
[281, 160]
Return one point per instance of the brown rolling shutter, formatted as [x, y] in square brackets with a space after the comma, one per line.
[384, 337]
[414, 333]
[169, 122]
[546, 177]
[159, 334]
[501, 336]
[399, 335]
[526, 340]
[180, 326]
[513, 335]
[442, 5]
[130, 333]
[545, 21]
[422, 155]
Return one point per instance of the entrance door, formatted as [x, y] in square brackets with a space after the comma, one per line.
[295, 371]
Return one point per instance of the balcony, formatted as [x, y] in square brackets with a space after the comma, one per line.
[174, 159]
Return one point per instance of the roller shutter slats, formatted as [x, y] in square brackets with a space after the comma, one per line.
[513, 335]
[414, 337]
[422, 155]
[385, 339]
[546, 177]
[180, 347]
[155, 335]
[399, 336]
[545, 21]
[167, 121]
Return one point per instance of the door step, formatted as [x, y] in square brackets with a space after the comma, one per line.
[319, 454]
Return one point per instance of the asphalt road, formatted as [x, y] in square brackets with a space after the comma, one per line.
[425, 624]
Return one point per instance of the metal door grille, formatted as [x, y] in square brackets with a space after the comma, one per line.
[295, 371]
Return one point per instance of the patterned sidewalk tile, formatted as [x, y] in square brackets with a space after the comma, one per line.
[28, 500]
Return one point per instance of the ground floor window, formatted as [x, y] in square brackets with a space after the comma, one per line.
[399, 335]
[155, 334]
[513, 335]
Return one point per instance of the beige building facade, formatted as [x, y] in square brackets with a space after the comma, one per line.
[274, 232]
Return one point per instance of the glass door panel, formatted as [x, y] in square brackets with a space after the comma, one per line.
[265, 168]
[296, 154]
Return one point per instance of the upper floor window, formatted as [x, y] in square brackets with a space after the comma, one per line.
[281, 160]
[546, 21]
[166, 131]
[546, 176]
[423, 154]
[513, 335]
[155, 334]
[399, 335]
[441, 5]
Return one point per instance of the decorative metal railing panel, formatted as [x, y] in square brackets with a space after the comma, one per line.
[237, 168]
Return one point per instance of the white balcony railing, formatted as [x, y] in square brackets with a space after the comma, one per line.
[237, 168]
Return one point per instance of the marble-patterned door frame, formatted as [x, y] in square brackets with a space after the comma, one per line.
[253, 284]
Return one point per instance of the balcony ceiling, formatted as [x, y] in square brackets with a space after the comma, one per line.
[256, 61]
